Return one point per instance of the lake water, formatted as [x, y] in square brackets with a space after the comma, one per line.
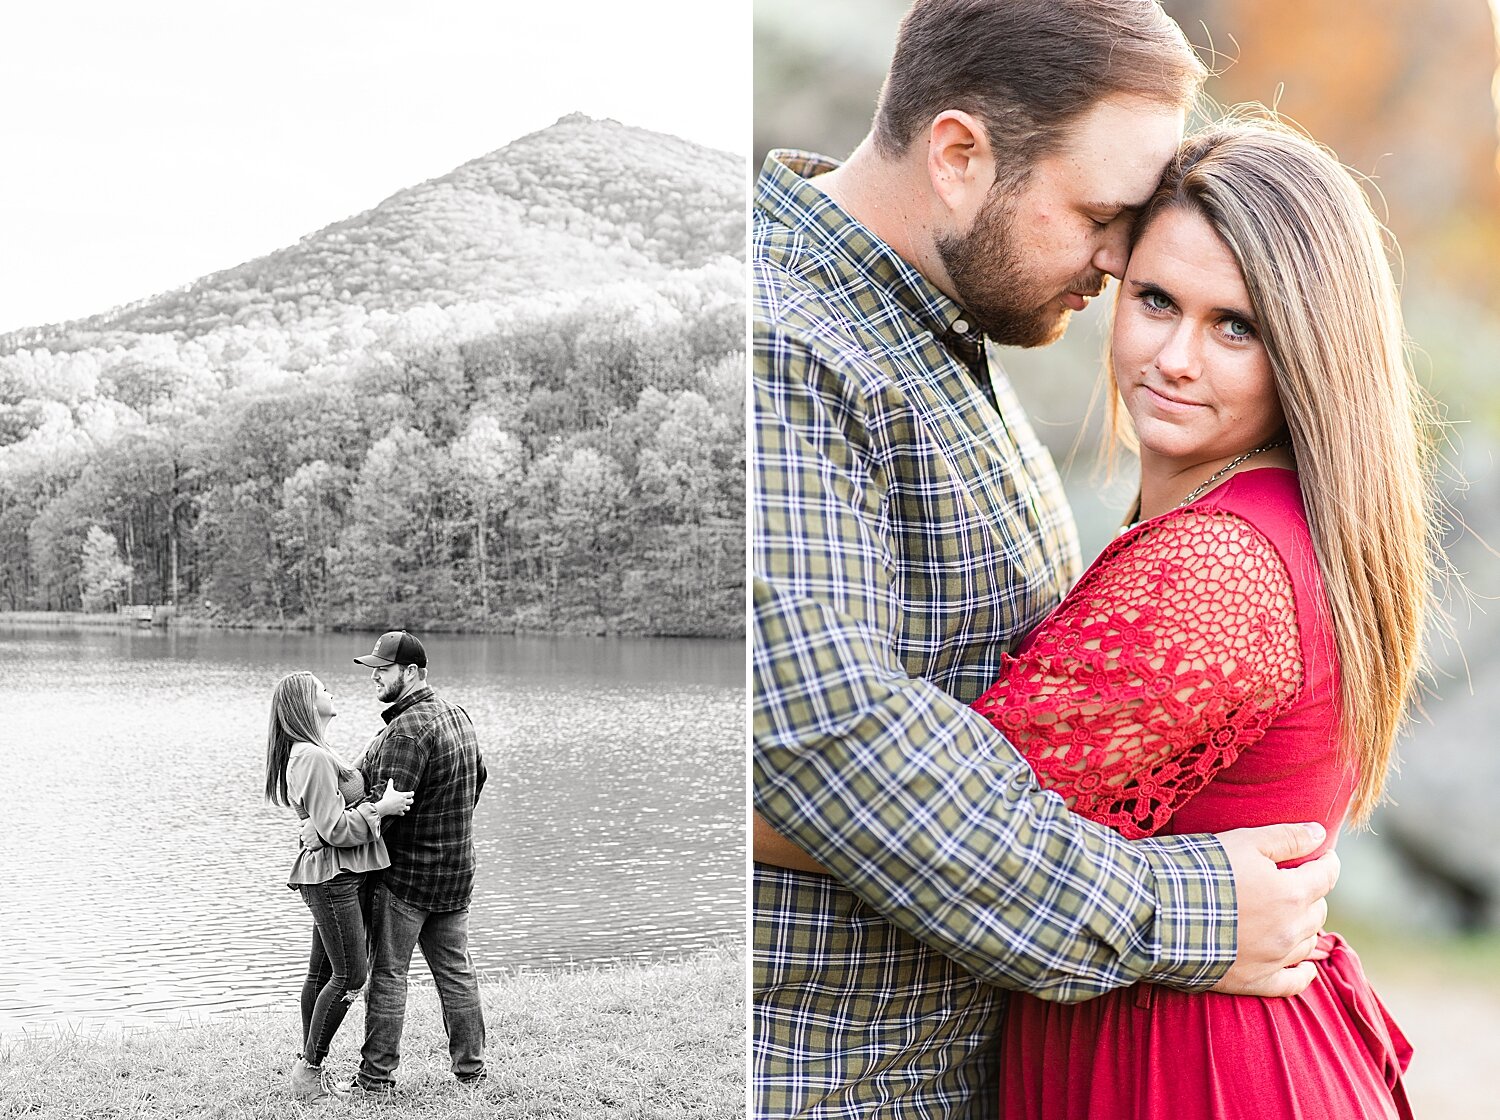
[144, 875]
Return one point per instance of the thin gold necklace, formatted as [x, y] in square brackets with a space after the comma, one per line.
[1133, 518]
[1229, 466]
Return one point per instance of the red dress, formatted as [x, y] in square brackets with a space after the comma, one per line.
[1189, 683]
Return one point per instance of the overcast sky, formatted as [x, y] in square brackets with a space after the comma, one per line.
[148, 143]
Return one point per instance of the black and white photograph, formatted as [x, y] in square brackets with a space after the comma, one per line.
[372, 595]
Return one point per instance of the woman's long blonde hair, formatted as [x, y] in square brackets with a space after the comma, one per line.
[294, 719]
[1363, 430]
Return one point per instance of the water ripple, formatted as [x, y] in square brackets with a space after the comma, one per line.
[150, 874]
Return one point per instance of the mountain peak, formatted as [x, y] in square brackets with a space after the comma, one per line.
[531, 218]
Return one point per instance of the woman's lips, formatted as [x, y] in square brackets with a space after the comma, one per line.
[1170, 404]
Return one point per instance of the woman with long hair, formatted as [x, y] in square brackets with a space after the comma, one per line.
[303, 771]
[1246, 650]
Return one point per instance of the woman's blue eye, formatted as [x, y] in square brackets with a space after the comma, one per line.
[1238, 328]
[1157, 301]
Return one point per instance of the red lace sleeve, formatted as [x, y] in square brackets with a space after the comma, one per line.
[1171, 655]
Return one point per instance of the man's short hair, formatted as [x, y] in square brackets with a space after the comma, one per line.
[1028, 68]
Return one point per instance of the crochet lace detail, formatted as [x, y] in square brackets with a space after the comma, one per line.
[1171, 656]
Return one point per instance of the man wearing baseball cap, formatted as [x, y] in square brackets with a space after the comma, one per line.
[428, 745]
[395, 648]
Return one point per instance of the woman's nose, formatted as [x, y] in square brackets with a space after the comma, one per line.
[1178, 357]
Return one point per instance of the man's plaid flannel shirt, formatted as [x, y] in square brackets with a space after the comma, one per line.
[428, 745]
[908, 528]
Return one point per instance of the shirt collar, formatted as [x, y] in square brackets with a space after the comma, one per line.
[407, 701]
[785, 195]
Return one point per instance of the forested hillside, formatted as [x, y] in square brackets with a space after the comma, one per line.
[511, 397]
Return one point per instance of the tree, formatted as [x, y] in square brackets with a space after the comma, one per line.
[590, 530]
[312, 512]
[488, 462]
[689, 577]
[245, 573]
[103, 573]
[394, 555]
[550, 461]
[56, 537]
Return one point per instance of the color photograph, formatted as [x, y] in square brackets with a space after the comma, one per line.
[1124, 471]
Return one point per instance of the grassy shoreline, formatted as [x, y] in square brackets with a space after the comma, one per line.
[644, 1042]
[42, 620]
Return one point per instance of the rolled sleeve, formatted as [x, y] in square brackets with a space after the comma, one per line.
[402, 759]
[1196, 928]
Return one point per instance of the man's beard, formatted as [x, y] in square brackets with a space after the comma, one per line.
[389, 693]
[994, 285]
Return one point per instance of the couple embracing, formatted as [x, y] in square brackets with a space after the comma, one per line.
[1031, 843]
[386, 864]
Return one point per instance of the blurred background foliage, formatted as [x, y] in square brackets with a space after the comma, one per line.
[1404, 94]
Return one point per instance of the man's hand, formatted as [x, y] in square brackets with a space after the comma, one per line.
[1281, 912]
[393, 802]
[310, 838]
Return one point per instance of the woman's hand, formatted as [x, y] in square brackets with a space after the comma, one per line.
[393, 802]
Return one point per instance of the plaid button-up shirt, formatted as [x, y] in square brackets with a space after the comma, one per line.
[429, 746]
[908, 529]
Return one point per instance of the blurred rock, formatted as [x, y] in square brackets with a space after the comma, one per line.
[1442, 828]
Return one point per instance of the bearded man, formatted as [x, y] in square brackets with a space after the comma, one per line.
[907, 529]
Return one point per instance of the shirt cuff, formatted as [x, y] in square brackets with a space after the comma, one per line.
[1197, 924]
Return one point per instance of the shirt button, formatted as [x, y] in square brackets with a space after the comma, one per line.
[961, 326]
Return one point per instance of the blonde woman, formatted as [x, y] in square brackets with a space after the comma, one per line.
[303, 772]
[1245, 651]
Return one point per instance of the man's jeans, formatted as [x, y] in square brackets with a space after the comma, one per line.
[396, 928]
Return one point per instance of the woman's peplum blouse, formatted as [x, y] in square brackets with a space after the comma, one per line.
[350, 827]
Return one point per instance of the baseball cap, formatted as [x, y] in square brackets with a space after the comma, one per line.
[396, 647]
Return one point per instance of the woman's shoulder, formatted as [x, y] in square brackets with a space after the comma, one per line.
[1206, 551]
[1270, 498]
[1259, 510]
[1243, 514]
[311, 755]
